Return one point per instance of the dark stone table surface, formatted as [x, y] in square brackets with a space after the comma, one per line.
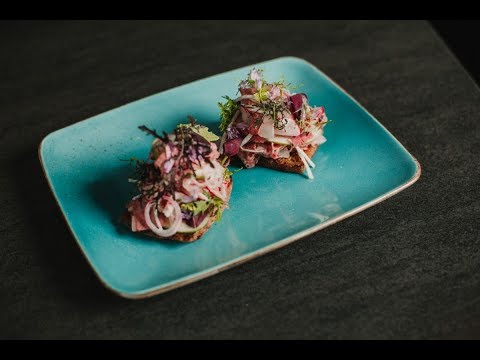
[406, 268]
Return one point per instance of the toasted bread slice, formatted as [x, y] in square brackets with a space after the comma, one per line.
[291, 164]
[182, 237]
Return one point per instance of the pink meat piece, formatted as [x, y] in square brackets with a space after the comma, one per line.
[136, 208]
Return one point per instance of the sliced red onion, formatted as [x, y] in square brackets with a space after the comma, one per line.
[296, 102]
[232, 133]
[198, 219]
[242, 126]
[168, 165]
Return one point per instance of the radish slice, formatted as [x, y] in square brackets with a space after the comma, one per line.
[266, 130]
[291, 128]
[317, 136]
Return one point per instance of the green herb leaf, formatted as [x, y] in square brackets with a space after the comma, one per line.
[227, 111]
[227, 174]
[196, 207]
[201, 130]
[261, 95]
[213, 204]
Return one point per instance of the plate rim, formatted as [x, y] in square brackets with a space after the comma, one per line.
[188, 279]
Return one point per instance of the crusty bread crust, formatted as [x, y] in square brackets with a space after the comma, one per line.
[291, 164]
[182, 237]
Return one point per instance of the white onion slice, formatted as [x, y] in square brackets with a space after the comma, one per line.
[281, 140]
[284, 153]
[222, 141]
[309, 172]
[246, 139]
[243, 97]
[305, 156]
[235, 116]
[253, 109]
[232, 120]
[319, 140]
[253, 151]
[158, 229]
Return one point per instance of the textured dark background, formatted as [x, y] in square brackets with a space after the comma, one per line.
[458, 34]
[406, 268]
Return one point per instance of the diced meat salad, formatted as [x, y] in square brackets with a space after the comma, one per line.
[267, 120]
[182, 184]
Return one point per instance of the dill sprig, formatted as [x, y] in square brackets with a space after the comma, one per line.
[263, 106]
[273, 109]
[153, 132]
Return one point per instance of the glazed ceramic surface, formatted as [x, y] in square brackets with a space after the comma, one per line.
[360, 165]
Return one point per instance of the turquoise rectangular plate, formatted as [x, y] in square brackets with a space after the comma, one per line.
[360, 165]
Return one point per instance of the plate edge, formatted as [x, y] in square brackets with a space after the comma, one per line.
[77, 242]
[215, 270]
[281, 243]
[277, 245]
[171, 89]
